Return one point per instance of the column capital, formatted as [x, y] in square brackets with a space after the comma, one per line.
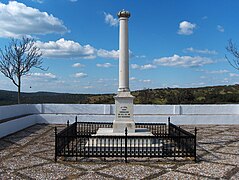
[123, 13]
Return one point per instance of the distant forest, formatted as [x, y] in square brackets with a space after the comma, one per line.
[204, 95]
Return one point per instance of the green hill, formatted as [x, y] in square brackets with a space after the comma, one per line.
[203, 95]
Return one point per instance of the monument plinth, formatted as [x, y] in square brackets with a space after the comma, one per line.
[123, 100]
[124, 113]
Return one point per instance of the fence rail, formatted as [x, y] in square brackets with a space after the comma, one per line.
[79, 140]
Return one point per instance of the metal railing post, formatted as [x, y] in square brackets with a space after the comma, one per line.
[76, 126]
[126, 141]
[67, 137]
[195, 145]
[168, 125]
[76, 138]
[56, 144]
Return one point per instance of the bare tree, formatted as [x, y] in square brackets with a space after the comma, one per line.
[232, 49]
[17, 59]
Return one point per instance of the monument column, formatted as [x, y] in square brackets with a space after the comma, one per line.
[123, 51]
[123, 100]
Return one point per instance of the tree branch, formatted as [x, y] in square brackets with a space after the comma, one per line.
[232, 49]
[18, 58]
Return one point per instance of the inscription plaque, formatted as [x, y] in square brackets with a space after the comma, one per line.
[124, 112]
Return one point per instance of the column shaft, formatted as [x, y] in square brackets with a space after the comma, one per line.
[123, 56]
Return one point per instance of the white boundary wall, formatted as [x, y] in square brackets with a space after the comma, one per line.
[60, 113]
[13, 126]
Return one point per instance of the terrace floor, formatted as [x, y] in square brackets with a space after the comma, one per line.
[29, 154]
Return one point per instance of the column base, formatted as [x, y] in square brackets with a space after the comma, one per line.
[119, 126]
[124, 113]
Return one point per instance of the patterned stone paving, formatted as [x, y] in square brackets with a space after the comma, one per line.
[29, 154]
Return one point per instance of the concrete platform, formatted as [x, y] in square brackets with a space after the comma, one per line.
[29, 154]
[109, 141]
[109, 132]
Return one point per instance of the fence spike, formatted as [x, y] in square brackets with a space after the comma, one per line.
[126, 131]
[169, 126]
[76, 119]
[126, 141]
[68, 123]
[56, 144]
[195, 145]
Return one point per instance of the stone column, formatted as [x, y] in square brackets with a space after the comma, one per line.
[123, 100]
[123, 51]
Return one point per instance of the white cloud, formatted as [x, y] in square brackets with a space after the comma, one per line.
[218, 72]
[17, 20]
[145, 80]
[135, 66]
[148, 66]
[204, 17]
[114, 54]
[81, 75]
[225, 80]
[132, 79]
[201, 51]
[223, 71]
[105, 65]
[102, 80]
[38, 1]
[186, 28]
[143, 67]
[201, 84]
[88, 87]
[69, 49]
[140, 56]
[140, 80]
[198, 84]
[108, 54]
[78, 65]
[43, 75]
[234, 75]
[66, 49]
[73, 0]
[183, 61]
[105, 80]
[109, 19]
[220, 28]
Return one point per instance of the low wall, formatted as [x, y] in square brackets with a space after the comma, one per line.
[15, 125]
[109, 109]
[192, 111]
[60, 113]
[19, 110]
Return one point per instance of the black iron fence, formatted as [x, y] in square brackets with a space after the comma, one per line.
[184, 140]
[89, 128]
[64, 138]
[80, 140]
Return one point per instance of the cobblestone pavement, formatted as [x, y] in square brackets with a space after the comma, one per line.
[29, 154]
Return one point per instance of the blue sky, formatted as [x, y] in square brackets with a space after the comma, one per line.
[172, 43]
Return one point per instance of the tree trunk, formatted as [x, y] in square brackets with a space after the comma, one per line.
[19, 90]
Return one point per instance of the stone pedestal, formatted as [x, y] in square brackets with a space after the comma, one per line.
[124, 113]
[108, 141]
